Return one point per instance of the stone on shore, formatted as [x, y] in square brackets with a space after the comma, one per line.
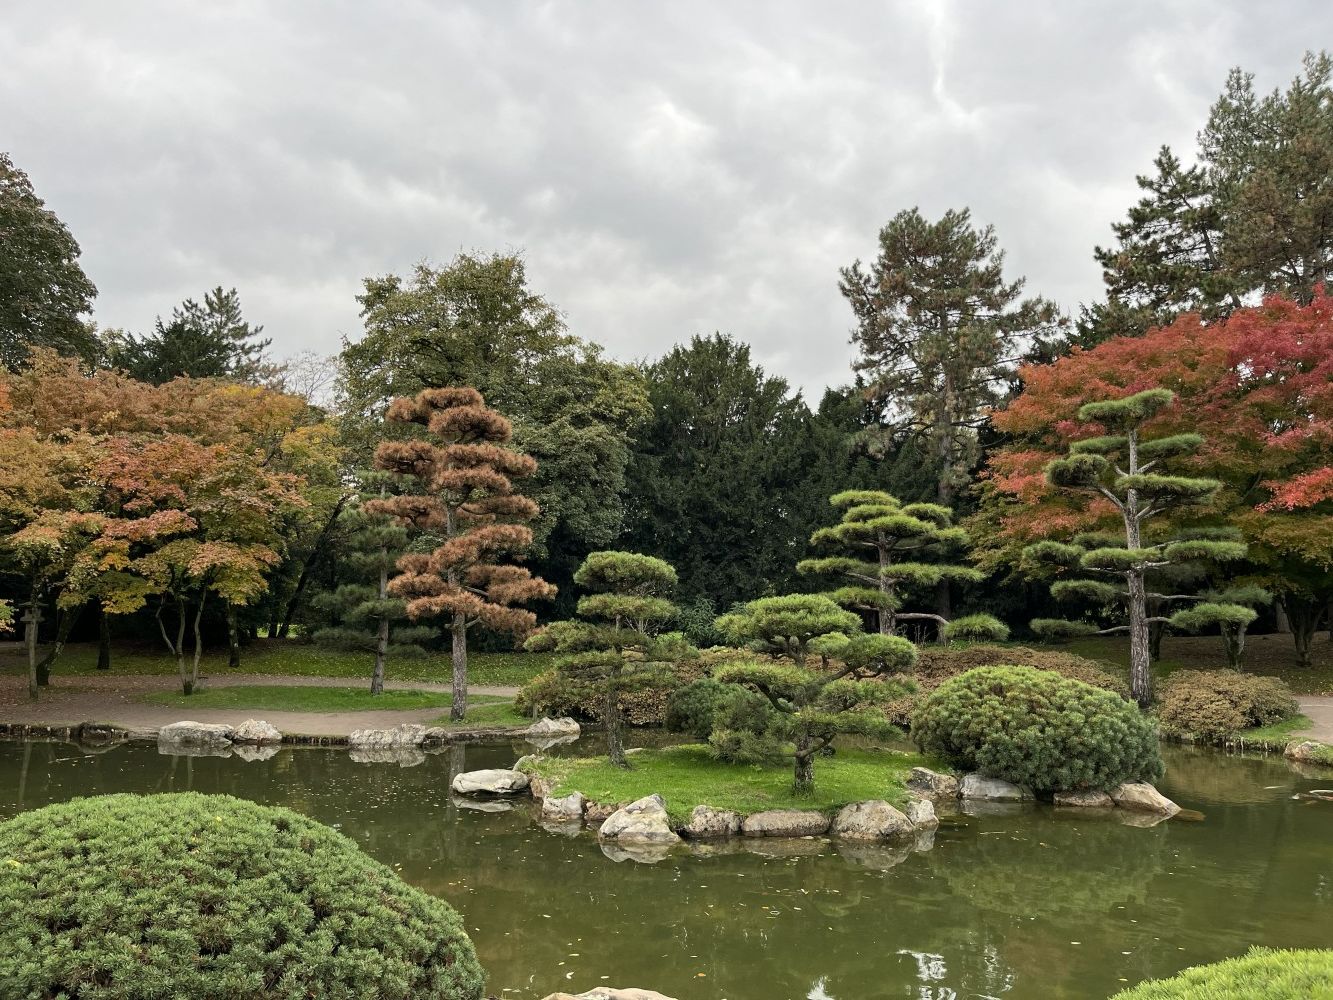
[1308, 752]
[1139, 796]
[490, 781]
[933, 784]
[644, 821]
[979, 787]
[405, 735]
[256, 732]
[1084, 800]
[597, 813]
[707, 823]
[921, 814]
[195, 734]
[785, 823]
[565, 809]
[872, 820]
[553, 728]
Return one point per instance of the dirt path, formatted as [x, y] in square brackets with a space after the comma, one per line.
[116, 700]
[1320, 710]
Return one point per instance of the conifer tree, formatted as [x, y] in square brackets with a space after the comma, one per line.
[1119, 467]
[617, 647]
[786, 625]
[369, 619]
[465, 497]
[893, 546]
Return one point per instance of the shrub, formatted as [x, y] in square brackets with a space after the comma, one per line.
[1262, 974]
[207, 896]
[976, 628]
[1037, 728]
[745, 717]
[1216, 704]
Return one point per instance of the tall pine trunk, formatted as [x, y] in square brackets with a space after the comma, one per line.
[459, 631]
[615, 741]
[382, 633]
[803, 783]
[1140, 652]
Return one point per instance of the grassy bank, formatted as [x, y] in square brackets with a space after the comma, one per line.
[687, 776]
[276, 698]
[286, 657]
[486, 712]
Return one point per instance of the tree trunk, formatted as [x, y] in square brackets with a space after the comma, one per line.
[187, 685]
[30, 637]
[381, 650]
[1140, 663]
[615, 744]
[1156, 630]
[198, 643]
[804, 783]
[103, 641]
[307, 568]
[459, 629]
[64, 626]
[233, 638]
[1234, 639]
[1283, 625]
[1303, 616]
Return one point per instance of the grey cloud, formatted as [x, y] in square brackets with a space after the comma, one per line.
[669, 169]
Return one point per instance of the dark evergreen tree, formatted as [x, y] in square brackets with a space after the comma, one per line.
[201, 340]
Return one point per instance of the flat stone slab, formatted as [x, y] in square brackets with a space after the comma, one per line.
[979, 787]
[196, 734]
[932, 783]
[408, 734]
[706, 823]
[256, 732]
[1139, 796]
[490, 781]
[610, 993]
[785, 823]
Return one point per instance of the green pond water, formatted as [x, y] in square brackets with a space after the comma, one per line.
[1022, 902]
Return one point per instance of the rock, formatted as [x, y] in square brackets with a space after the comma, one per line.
[553, 728]
[195, 734]
[978, 786]
[1308, 752]
[785, 823]
[538, 786]
[436, 736]
[526, 762]
[609, 993]
[1139, 796]
[921, 814]
[402, 756]
[706, 823]
[641, 822]
[256, 732]
[597, 813]
[564, 809]
[873, 820]
[404, 735]
[933, 784]
[490, 781]
[1084, 800]
[250, 753]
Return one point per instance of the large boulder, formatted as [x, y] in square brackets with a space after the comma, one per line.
[1139, 796]
[785, 823]
[256, 732]
[565, 809]
[707, 823]
[932, 784]
[921, 814]
[610, 993]
[553, 728]
[1308, 752]
[597, 813]
[405, 735]
[872, 820]
[195, 734]
[490, 781]
[1084, 800]
[642, 822]
[979, 787]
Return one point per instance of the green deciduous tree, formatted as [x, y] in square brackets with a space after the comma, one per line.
[618, 646]
[43, 290]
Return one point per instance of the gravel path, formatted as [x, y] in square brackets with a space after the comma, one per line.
[1320, 710]
[116, 700]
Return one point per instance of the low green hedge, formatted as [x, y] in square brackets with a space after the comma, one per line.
[1039, 729]
[208, 896]
[1263, 974]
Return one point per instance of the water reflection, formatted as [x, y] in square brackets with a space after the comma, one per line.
[1020, 903]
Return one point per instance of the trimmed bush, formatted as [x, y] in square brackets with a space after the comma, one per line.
[1036, 728]
[208, 896]
[976, 628]
[1217, 704]
[1262, 974]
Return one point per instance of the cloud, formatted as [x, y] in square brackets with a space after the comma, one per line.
[668, 169]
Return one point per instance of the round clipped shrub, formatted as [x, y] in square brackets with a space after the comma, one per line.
[976, 628]
[1217, 704]
[1036, 728]
[208, 896]
[1262, 974]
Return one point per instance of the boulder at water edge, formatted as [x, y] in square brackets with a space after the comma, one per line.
[979, 787]
[641, 822]
[490, 781]
[1084, 800]
[873, 820]
[933, 784]
[921, 814]
[1140, 796]
[551, 728]
[609, 993]
[707, 823]
[785, 823]
[566, 809]
[1307, 752]
[195, 734]
[404, 735]
[256, 732]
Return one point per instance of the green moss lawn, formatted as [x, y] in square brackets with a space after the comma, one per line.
[687, 776]
[303, 698]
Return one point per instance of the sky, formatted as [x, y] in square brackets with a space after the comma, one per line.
[667, 169]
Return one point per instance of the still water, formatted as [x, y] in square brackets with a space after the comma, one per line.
[1025, 904]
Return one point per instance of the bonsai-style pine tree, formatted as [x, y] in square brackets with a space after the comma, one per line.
[369, 620]
[465, 496]
[786, 625]
[800, 712]
[893, 546]
[616, 647]
[1124, 468]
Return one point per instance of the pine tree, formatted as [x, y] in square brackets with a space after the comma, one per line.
[617, 647]
[1138, 494]
[368, 619]
[465, 496]
[894, 547]
[208, 340]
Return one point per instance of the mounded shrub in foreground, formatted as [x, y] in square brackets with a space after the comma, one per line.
[1262, 974]
[208, 896]
[1216, 704]
[1037, 728]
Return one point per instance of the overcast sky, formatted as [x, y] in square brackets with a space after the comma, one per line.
[667, 168]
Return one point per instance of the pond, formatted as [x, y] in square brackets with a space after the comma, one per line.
[1023, 904]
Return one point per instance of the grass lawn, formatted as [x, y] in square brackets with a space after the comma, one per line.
[687, 776]
[295, 659]
[486, 712]
[1278, 733]
[276, 698]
